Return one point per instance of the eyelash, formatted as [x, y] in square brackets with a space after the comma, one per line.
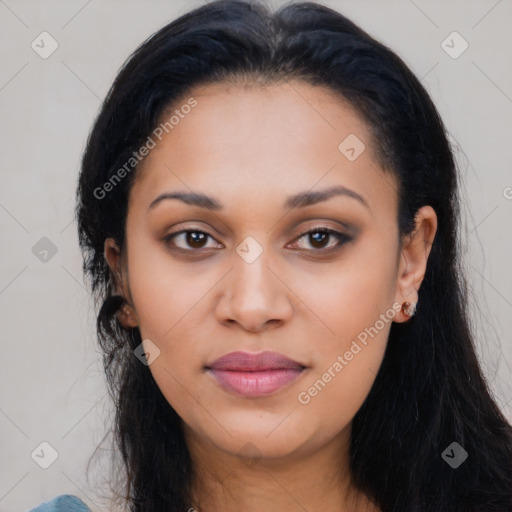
[341, 238]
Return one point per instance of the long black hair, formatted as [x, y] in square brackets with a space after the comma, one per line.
[430, 391]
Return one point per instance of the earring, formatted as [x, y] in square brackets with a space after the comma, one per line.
[409, 308]
[126, 316]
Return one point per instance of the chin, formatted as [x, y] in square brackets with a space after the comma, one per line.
[269, 439]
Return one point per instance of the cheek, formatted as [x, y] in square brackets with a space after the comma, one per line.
[345, 370]
[357, 306]
[330, 398]
[163, 290]
[173, 304]
[354, 293]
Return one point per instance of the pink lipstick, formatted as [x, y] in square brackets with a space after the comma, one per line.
[253, 375]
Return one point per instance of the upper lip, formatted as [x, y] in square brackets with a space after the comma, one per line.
[245, 361]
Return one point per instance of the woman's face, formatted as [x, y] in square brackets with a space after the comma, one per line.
[248, 277]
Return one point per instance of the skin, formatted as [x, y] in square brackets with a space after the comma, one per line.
[250, 147]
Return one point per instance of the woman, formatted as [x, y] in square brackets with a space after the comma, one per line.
[268, 212]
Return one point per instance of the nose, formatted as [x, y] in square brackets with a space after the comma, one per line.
[254, 297]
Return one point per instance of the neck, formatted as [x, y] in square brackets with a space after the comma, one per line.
[319, 480]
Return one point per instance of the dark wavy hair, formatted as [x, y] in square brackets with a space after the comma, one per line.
[430, 390]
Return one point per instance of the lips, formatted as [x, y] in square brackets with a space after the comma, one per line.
[244, 361]
[253, 375]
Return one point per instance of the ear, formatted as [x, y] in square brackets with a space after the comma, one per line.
[413, 259]
[126, 316]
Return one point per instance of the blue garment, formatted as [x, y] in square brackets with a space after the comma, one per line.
[62, 503]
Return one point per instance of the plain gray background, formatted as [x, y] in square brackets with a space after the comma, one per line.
[52, 385]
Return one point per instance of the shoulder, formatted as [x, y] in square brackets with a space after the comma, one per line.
[62, 503]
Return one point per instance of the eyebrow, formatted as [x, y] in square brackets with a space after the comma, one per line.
[300, 200]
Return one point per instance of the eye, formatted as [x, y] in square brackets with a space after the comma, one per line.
[320, 235]
[318, 238]
[192, 238]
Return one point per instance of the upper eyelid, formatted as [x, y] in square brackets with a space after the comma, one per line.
[318, 227]
[347, 227]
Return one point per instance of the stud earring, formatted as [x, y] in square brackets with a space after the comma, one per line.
[126, 316]
[409, 308]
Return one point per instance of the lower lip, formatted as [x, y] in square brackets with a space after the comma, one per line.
[255, 383]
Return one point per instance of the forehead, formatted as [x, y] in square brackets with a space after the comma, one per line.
[250, 139]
